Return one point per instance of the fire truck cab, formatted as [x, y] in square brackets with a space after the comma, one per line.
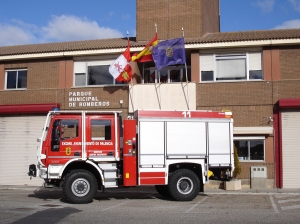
[86, 151]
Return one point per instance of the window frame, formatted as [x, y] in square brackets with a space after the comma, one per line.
[249, 138]
[230, 56]
[17, 70]
[105, 126]
[89, 63]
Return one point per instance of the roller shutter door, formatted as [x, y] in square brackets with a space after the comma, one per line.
[18, 148]
[291, 148]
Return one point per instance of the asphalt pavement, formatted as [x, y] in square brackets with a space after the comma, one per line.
[36, 204]
[208, 189]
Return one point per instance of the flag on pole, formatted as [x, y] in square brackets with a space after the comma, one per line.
[146, 54]
[169, 52]
[120, 69]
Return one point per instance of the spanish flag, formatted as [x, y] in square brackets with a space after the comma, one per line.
[146, 54]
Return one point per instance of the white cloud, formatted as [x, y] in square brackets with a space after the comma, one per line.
[15, 35]
[60, 28]
[68, 28]
[265, 5]
[296, 4]
[292, 24]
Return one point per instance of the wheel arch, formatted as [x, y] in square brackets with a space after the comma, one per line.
[84, 165]
[195, 167]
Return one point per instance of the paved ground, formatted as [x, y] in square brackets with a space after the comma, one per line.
[21, 204]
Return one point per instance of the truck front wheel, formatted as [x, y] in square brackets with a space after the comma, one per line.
[79, 186]
[184, 185]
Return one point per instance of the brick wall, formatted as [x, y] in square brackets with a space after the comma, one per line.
[246, 170]
[46, 80]
[250, 102]
[40, 74]
[290, 63]
[210, 16]
[171, 15]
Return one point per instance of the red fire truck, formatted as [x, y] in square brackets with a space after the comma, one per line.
[86, 151]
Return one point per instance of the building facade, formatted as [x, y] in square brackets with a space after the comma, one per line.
[254, 74]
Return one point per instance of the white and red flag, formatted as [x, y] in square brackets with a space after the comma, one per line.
[120, 69]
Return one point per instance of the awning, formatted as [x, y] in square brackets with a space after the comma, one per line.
[253, 130]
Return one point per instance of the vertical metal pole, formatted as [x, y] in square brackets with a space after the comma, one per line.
[116, 139]
[158, 76]
[83, 132]
[187, 81]
[130, 94]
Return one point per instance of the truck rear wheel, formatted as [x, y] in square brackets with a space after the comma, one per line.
[79, 187]
[162, 190]
[184, 185]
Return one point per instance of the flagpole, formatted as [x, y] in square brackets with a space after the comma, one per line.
[158, 75]
[130, 94]
[187, 81]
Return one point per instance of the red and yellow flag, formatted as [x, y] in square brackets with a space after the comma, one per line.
[146, 54]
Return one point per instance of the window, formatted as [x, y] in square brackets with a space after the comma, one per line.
[63, 129]
[91, 73]
[169, 74]
[16, 79]
[239, 67]
[69, 129]
[101, 129]
[250, 148]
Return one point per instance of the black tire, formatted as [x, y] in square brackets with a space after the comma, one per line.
[163, 190]
[79, 187]
[184, 185]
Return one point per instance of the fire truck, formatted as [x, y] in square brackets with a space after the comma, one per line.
[86, 151]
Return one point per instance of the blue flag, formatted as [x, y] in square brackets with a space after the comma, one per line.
[169, 52]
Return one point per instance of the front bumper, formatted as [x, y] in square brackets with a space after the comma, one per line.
[32, 170]
[37, 171]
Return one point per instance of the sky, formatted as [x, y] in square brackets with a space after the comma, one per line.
[46, 21]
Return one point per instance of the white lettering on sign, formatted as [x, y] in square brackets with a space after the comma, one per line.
[87, 143]
[186, 113]
[85, 99]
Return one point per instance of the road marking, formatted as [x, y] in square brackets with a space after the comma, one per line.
[273, 204]
[286, 195]
[290, 207]
[115, 206]
[199, 202]
[252, 193]
[288, 200]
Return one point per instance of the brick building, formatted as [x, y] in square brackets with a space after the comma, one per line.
[255, 74]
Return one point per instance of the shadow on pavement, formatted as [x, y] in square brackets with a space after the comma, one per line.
[141, 193]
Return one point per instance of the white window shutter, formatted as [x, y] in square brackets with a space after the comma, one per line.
[95, 63]
[254, 60]
[79, 67]
[207, 62]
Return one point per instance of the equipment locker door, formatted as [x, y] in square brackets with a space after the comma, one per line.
[151, 144]
[220, 144]
[151, 153]
[186, 139]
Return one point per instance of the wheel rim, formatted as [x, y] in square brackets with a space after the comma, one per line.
[185, 185]
[80, 187]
